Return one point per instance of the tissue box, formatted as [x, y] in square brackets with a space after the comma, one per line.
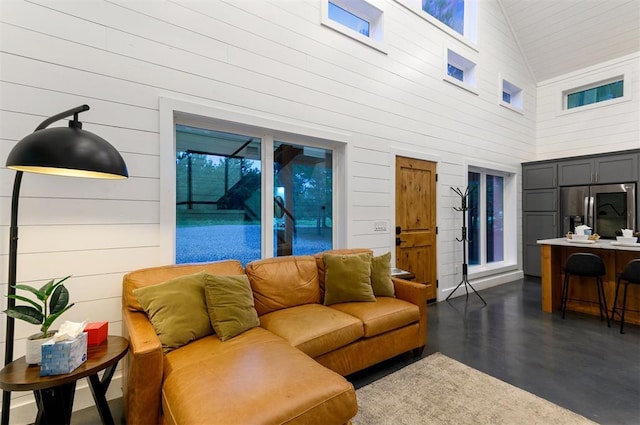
[63, 356]
[97, 332]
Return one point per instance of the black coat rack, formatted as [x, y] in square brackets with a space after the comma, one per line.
[464, 240]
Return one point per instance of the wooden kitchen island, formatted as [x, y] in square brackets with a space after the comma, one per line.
[583, 297]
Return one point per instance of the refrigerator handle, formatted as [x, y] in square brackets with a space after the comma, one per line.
[592, 219]
[586, 211]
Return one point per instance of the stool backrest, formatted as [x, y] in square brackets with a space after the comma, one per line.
[631, 272]
[585, 264]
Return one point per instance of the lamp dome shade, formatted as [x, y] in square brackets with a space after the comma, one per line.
[67, 151]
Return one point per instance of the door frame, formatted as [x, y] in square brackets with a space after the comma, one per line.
[395, 152]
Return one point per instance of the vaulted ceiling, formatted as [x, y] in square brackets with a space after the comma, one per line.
[561, 36]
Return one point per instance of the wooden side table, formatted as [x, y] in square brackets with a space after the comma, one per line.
[402, 274]
[54, 394]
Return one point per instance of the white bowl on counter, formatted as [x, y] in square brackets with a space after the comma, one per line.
[623, 239]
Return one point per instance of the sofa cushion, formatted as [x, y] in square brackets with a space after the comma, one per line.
[154, 275]
[382, 316]
[314, 329]
[320, 262]
[256, 378]
[347, 278]
[283, 282]
[381, 276]
[230, 305]
[177, 309]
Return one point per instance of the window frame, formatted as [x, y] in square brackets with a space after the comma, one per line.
[467, 62]
[510, 219]
[517, 95]
[173, 111]
[365, 10]
[624, 73]
[470, 36]
[567, 93]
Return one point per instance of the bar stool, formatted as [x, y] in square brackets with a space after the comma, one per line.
[587, 265]
[630, 274]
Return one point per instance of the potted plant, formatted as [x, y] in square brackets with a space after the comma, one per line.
[52, 299]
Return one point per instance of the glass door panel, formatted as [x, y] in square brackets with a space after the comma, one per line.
[303, 199]
[218, 203]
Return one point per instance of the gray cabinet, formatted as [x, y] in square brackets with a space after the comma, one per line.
[539, 176]
[537, 225]
[598, 170]
[540, 200]
[616, 169]
[539, 206]
[540, 189]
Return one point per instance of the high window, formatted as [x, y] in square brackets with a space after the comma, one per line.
[486, 217]
[348, 19]
[511, 95]
[599, 93]
[460, 70]
[221, 191]
[457, 18]
[449, 12]
[357, 19]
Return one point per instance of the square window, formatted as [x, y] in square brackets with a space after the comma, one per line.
[456, 73]
[460, 71]
[511, 94]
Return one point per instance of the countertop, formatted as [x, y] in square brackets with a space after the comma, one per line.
[599, 244]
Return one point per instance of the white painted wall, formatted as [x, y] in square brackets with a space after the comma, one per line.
[266, 59]
[603, 127]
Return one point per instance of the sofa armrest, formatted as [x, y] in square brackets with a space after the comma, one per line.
[415, 293]
[142, 380]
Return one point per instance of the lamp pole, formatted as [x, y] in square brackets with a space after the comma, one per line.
[87, 155]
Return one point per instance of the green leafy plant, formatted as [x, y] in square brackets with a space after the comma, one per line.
[52, 301]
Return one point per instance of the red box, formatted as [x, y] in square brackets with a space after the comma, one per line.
[97, 332]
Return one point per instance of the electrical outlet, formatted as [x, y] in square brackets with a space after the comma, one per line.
[380, 226]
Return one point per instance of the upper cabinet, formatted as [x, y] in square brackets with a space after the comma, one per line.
[539, 176]
[599, 170]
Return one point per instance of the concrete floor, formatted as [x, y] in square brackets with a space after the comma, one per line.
[577, 363]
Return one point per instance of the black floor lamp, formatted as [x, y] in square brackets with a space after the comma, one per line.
[63, 151]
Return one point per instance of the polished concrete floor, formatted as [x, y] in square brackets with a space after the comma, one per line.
[577, 363]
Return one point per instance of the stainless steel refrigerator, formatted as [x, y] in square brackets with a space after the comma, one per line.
[605, 208]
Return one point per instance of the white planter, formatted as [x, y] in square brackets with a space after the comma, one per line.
[34, 348]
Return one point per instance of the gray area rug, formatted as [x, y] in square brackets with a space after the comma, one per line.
[440, 390]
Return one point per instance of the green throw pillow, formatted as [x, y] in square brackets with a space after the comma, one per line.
[230, 305]
[347, 278]
[381, 276]
[177, 310]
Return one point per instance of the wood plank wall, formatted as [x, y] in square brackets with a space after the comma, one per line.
[263, 58]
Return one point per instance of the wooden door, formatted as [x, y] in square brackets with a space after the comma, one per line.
[416, 220]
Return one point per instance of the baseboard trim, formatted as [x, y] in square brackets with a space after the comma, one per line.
[485, 283]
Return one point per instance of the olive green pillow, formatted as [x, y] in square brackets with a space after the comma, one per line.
[381, 276]
[177, 310]
[347, 278]
[230, 305]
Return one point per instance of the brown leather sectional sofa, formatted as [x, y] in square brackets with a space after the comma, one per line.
[289, 370]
